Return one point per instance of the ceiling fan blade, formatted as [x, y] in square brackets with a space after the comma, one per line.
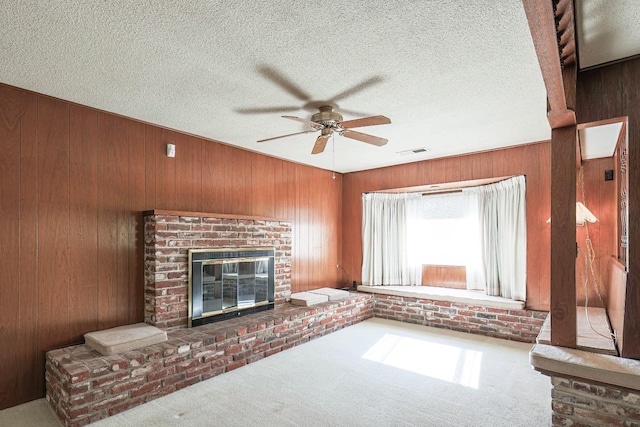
[357, 88]
[268, 110]
[305, 121]
[366, 121]
[284, 136]
[284, 82]
[353, 112]
[321, 142]
[369, 139]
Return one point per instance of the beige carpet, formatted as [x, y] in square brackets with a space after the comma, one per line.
[376, 373]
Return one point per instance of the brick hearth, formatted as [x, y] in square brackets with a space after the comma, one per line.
[83, 386]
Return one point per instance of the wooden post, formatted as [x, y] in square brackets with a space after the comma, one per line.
[563, 236]
[555, 48]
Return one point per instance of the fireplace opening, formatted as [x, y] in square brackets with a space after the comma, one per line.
[229, 282]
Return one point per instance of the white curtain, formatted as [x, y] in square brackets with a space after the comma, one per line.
[503, 231]
[385, 255]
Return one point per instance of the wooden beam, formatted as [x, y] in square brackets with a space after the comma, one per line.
[563, 236]
[542, 24]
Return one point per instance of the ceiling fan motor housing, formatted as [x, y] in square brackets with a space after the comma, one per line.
[327, 116]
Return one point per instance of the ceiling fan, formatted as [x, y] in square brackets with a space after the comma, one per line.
[328, 121]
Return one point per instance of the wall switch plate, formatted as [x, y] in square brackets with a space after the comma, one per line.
[171, 150]
[608, 175]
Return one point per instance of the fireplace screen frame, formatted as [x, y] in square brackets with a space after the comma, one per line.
[228, 273]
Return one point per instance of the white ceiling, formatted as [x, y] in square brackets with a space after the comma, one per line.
[453, 76]
[599, 141]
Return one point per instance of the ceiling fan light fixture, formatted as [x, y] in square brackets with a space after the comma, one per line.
[328, 121]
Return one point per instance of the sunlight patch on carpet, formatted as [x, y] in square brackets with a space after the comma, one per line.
[440, 361]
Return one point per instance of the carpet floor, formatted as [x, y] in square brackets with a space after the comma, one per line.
[375, 373]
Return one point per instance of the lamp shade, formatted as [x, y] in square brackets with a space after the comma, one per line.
[583, 214]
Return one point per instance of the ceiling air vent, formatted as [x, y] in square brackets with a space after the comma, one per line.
[413, 151]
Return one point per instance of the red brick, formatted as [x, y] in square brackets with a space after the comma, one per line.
[127, 385]
[149, 368]
[77, 372]
[187, 382]
[233, 349]
[146, 388]
[236, 365]
[159, 393]
[186, 365]
[199, 370]
[175, 359]
[108, 380]
[173, 379]
[151, 376]
[106, 403]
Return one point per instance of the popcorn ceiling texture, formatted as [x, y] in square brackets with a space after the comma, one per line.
[453, 76]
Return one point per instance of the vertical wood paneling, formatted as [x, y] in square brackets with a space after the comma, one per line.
[485, 166]
[466, 168]
[83, 242]
[611, 104]
[53, 222]
[438, 171]
[235, 178]
[600, 198]
[10, 232]
[536, 161]
[452, 169]
[165, 170]
[136, 226]
[263, 185]
[213, 178]
[604, 93]
[187, 179]
[303, 238]
[107, 221]
[150, 166]
[30, 384]
[122, 218]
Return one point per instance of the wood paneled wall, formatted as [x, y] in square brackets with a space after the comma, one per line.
[604, 93]
[532, 160]
[73, 184]
[600, 198]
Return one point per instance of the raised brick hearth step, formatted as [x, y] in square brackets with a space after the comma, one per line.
[84, 386]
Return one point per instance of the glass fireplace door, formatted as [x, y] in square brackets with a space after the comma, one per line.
[223, 284]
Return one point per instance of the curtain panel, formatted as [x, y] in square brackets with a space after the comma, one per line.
[503, 231]
[385, 254]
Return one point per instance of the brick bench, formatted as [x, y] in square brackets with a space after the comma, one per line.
[83, 386]
[517, 325]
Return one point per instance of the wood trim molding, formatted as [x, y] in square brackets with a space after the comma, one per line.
[208, 215]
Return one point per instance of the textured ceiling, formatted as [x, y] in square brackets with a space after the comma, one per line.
[453, 76]
[607, 30]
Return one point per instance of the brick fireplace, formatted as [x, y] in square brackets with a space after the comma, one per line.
[84, 386]
[169, 235]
